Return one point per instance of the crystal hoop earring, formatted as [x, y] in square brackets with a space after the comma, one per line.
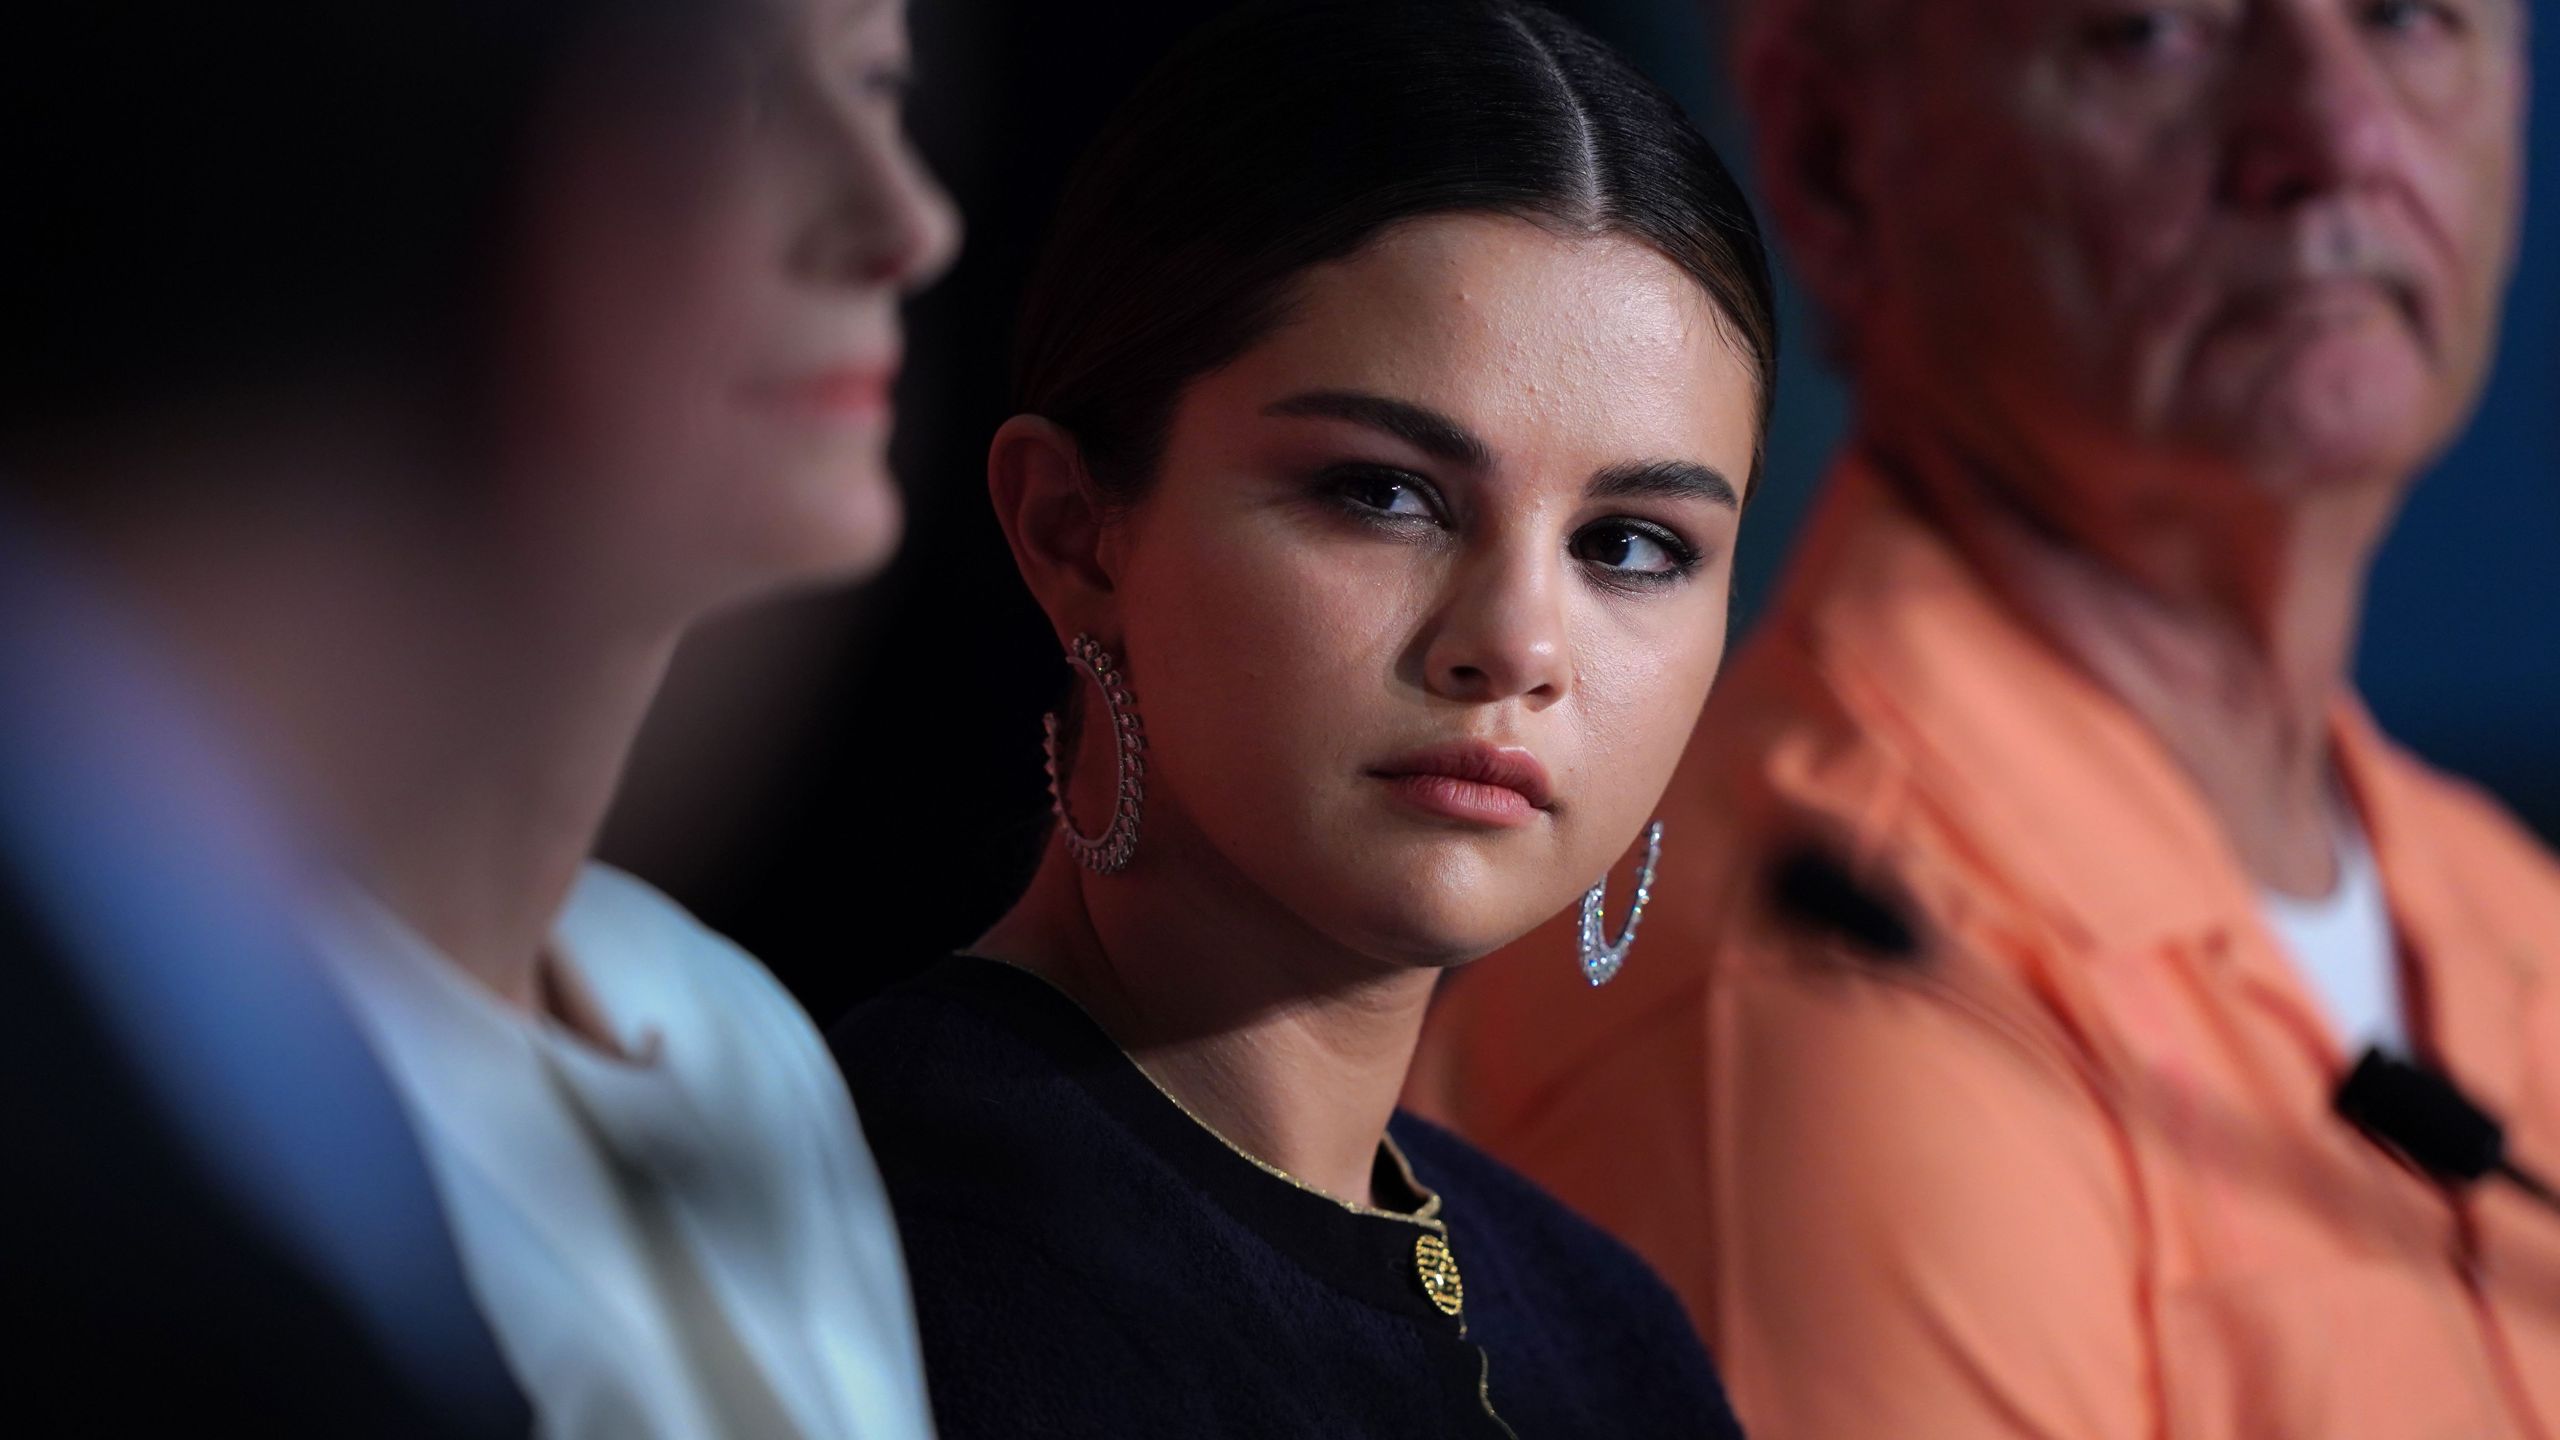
[1107, 853]
[1602, 957]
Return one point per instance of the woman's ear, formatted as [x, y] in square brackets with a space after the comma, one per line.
[1053, 518]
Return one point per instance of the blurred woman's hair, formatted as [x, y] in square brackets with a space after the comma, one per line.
[1285, 135]
[213, 201]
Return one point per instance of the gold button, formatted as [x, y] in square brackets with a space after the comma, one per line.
[1439, 1271]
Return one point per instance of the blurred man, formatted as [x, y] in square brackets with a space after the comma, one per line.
[2036, 876]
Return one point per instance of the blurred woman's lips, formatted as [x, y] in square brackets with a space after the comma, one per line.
[840, 392]
[1470, 781]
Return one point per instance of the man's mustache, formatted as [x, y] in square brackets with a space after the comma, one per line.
[2324, 247]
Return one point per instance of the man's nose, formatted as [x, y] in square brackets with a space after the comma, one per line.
[2315, 112]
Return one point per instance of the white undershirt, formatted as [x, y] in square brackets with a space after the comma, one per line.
[690, 1243]
[2344, 947]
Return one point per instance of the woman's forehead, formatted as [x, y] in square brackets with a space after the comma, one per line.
[1531, 340]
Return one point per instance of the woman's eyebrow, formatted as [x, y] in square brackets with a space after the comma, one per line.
[1664, 479]
[1424, 429]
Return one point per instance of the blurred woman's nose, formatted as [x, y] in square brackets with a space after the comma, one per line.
[885, 223]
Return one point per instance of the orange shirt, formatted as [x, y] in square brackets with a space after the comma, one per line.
[2068, 1168]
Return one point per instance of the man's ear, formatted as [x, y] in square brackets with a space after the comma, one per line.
[1803, 102]
[1053, 517]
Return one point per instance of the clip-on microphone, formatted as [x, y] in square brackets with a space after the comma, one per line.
[2420, 1115]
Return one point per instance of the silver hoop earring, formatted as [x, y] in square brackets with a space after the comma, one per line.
[1602, 957]
[1107, 853]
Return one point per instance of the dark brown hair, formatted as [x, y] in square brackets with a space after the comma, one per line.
[218, 199]
[1282, 136]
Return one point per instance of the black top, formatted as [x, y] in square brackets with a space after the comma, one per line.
[1088, 1260]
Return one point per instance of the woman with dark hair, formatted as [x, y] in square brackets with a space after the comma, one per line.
[400, 395]
[1391, 387]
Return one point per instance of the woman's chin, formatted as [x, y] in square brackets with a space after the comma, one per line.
[872, 533]
[1425, 897]
[1438, 931]
[849, 531]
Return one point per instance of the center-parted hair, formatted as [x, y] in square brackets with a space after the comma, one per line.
[1282, 136]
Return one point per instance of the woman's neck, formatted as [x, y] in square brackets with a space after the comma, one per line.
[444, 730]
[498, 825]
[1287, 1046]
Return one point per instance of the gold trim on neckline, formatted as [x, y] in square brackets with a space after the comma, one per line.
[1427, 1215]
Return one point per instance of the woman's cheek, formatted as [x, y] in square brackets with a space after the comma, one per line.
[1640, 692]
[1265, 598]
[1211, 650]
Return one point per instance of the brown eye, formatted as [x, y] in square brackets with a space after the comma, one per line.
[1632, 549]
[1383, 492]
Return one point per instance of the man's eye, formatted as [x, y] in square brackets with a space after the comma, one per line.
[2409, 17]
[2145, 36]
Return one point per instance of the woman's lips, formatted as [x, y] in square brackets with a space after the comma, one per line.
[1472, 782]
[847, 392]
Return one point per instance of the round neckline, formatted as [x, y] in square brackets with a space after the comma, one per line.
[1365, 1253]
[1425, 1214]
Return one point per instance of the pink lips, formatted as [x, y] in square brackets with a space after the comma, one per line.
[843, 392]
[1471, 781]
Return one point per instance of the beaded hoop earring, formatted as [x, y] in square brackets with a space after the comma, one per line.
[1600, 956]
[1109, 852]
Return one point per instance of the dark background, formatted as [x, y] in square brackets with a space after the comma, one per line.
[850, 784]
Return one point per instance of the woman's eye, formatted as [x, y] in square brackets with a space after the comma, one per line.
[1385, 492]
[1633, 549]
[891, 84]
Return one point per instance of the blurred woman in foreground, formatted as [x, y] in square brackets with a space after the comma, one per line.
[449, 365]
